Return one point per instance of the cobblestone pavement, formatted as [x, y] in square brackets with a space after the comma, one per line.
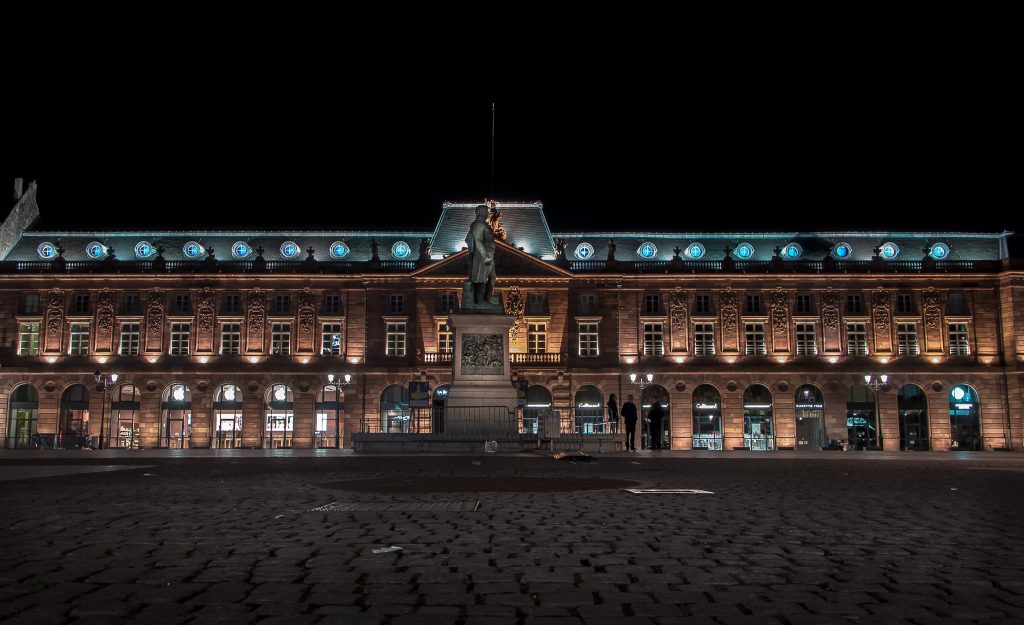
[832, 538]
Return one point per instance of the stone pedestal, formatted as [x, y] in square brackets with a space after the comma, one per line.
[481, 372]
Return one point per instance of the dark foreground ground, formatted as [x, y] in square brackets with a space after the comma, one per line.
[837, 538]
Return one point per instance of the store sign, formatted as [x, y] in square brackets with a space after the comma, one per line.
[810, 406]
[707, 406]
[419, 395]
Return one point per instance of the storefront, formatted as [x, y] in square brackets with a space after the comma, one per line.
[913, 412]
[861, 418]
[279, 422]
[125, 407]
[330, 403]
[73, 429]
[964, 418]
[707, 418]
[758, 434]
[394, 409]
[177, 416]
[227, 417]
[23, 418]
[589, 411]
[810, 418]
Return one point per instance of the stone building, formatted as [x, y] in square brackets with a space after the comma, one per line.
[758, 341]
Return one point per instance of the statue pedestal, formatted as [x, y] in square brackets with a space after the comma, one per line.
[481, 377]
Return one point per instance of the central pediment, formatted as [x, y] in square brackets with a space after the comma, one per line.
[509, 263]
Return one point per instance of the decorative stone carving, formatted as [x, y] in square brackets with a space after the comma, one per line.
[780, 310]
[54, 312]
[729, 310]
[830, 310]
[515, 307]
[482, 354]
[154, 321]
[206, 309]
[104, 320]
[494, 221]
[677, 310]
[307, 312]
[256, 315]
[932, 307]
[880, 310]
[680, 386]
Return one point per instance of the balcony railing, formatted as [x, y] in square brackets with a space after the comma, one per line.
[432, 358]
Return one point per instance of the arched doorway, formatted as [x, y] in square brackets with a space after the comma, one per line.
[650, 394]
[23, 417]
[330, 403]
[73, 429]
[125, 404]
[279, 406]
[964, 418]
[913, 410]
[861, 418]
[227, 417]
[758, 433]
[589, 410]
[394, 409]
[437, 406]
[810, 418]
[707, 418]
[177, 416]
[538, 407]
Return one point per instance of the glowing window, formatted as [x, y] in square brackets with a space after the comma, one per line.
[46, 251]
[647, 250]
[939, 251]
[400, 249]
[96, 250]
[744, 251]
[792, 251]
[144, 249]
[584, 251]
[889, 251]
[289, 249]
[695, 251]
[241, 249]
[192, 249]
[841, 251]
[339, 250]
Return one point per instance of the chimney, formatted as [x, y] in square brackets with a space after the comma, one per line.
[19, 188]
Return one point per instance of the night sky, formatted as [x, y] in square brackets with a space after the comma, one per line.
[854, 143]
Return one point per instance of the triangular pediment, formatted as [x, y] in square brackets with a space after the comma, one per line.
[509, 263]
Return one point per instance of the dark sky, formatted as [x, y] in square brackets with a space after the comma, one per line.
[851, 140]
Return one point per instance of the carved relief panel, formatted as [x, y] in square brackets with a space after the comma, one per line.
[54, 321]
[830, 335]
[679, 321]
[307, 321]
[155, 322]
[104, 322]
[780, 321]
[932, 306]
[206, 308]
[515, 306]
[255, 322]
[881, 321]
[729, 310]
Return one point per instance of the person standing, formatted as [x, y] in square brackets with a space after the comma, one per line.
[613, 412]
[629, 416]
[655, 415]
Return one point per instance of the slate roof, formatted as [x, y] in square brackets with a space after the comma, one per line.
[524, 222]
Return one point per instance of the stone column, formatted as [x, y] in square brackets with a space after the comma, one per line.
[302, 427]
[888, 418]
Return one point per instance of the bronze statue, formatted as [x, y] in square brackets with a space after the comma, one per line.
[480, 241]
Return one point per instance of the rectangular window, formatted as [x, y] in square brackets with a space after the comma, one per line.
[331, 339]
[652, 303]
[907, 335]
[958, 345]
[28, 344]
[130, 333]
[282, 304]
[397, 304]
[182, 303]
[536, 304]
[753, 304]
[79, 345]
[856, 339]
[654, 339]
[449, 302]
[537, 337]
[332, 304]
[81, 303]
[704, 339]
[803, 304]
[131, 303]
[232, 303]
[854, 305]
[703, 306]
[805, 343]
[230, 338]
[588, 304]
[395, 339]
[180, 334]
[281, 339]
[30, 304]
[755, 339]
[445, 338]
[588, 338]
[904, 303]
[955, 304]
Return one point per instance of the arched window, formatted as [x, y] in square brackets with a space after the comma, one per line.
[913, 410]
[394, 409]
[758, 433]
[589, 410]
[810, 418]
[650, 394]
[964, 418]
[23, 417]
[227, 417]
[330, 403]
[73, 431]
[861, 418]
[176, 405]
[279, 405]
[707, 418]
[125, 404]
[538, 408]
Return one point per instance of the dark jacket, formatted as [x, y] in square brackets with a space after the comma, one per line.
[656, 413]
[629, 413]
[613, 410]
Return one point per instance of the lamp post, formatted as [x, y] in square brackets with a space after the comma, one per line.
[642, 380]
[338, 380]
[102, 383]
[877, 383]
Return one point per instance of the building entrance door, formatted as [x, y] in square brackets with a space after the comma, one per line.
[808, 430]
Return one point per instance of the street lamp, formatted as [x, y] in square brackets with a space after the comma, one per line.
[102, 383]
[642, 381]
[876, 383]
[338, 381]
[346, 377]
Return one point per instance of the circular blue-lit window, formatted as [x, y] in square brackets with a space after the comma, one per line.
[647, 250]
[96, 250]
[289, 249]
[889, 251]
[695, 251]
[46, 251]
[144, 249]
[841, 251]
[400, 249]
[584, 251]
[339, 250]
[744, 251]
[192, 249]
[792, 251]
[240, 250]
[939, 251]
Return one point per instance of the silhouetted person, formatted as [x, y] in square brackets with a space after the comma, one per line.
[655, 415]
[613, 412]
[629, 416]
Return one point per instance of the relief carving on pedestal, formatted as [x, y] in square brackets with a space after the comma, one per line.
[515, 307]
[932, 305]
[482, 354]
[255, 320]
[830, 310]
[729, 309]
[307, 309]
[205, 310]
[880, 310]
[780, 310]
